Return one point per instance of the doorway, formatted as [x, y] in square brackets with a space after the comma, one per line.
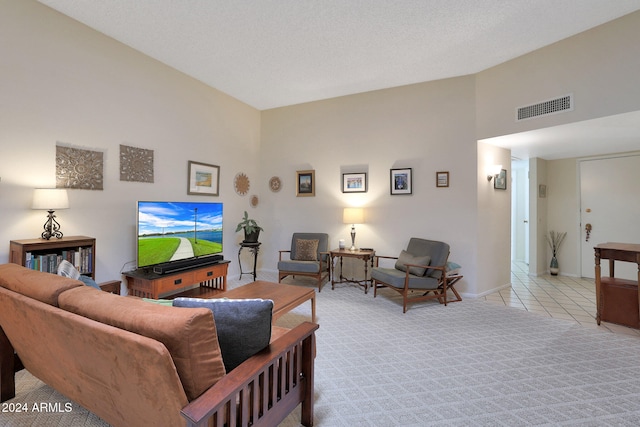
[520, 210]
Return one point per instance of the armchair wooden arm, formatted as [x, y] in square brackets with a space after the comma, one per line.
[377, 258]
[282, 252]
[265, 388]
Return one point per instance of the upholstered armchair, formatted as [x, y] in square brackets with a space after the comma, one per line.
[419, 273]
[308, 256]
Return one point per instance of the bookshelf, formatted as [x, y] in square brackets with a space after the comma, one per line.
[45, 255]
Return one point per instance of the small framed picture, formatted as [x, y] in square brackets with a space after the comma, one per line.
[500, 181]
[542, 191]
[204, 179]
[354, 182]
[401, 181]
[306, 183]
[442, 179]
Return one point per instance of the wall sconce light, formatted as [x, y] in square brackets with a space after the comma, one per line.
[492, 171]
[50, 199]
[353, 216]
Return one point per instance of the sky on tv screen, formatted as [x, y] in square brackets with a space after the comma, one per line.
[159, 218]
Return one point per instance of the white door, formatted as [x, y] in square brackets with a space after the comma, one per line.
[610, 203]
[520, 211]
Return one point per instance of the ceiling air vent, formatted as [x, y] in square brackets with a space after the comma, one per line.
[545, 108]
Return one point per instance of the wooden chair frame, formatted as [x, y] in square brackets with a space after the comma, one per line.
[322, 274]
[440, 293]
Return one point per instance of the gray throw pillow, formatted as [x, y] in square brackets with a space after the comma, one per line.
[88, 281]
[243, 325]
[406, 258]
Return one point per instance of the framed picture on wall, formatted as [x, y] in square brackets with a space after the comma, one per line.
[442, 179]
[354, 182]
[500, 181]
[203, 179]
[401, 181]
[542, 191]
[306, 183]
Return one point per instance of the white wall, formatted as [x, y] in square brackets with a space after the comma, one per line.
[428, 127]
[563, 212]
[599, 66]
[61, 81]
[494, 222]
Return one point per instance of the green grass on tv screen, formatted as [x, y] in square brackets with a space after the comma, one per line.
[158, 250]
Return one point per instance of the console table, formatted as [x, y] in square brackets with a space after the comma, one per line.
[212, 278]
[617, 300]
[365, 255]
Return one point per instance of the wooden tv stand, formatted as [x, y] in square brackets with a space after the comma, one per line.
[212, 278]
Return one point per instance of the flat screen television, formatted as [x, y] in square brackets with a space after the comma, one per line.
[174, 231]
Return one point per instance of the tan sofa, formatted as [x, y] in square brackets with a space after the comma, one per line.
[135, 363]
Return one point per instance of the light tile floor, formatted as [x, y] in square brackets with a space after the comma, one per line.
[562, 297]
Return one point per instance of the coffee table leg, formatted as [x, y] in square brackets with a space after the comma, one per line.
[313, 308]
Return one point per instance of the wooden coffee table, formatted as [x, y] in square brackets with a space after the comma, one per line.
[284, 297]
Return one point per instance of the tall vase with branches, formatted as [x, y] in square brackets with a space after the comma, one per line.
[555, 239]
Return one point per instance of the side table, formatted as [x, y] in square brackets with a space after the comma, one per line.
[254, 248]
[365, 255]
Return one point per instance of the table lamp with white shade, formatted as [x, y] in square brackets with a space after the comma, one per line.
[50, 199]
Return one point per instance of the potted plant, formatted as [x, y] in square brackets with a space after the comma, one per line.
[251, 228]
[555, 239]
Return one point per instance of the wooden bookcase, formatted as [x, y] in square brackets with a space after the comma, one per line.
[46, 254]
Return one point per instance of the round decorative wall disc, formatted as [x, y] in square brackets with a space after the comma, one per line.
[254, 201]
[275, 184]
[241, 183]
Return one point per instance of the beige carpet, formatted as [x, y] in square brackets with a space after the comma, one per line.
[471, 363]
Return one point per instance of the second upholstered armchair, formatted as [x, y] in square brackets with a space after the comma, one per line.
[419, 273]
[308, 256]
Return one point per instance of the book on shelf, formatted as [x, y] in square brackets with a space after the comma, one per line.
[82, 259]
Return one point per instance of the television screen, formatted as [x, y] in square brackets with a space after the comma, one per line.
[171, 231]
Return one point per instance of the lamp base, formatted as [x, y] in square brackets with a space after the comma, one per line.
[51, 228]
[353, 238]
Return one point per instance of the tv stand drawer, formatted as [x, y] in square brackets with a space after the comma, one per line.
[174, 282]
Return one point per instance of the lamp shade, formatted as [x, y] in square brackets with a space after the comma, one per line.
[494, 170]
[353, 216]
[50, 199]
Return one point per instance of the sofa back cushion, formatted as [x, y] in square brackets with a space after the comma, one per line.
[44, 287]
[189, 334]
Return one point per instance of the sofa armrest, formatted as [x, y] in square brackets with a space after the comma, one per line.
[282, 252]
[112, 286]
[265, 388]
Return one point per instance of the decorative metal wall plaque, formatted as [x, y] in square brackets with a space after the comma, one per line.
[136, 164]
[79, 168]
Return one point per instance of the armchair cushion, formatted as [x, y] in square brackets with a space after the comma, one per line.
[243, 325]
[300, 266]
[406, 258]
[438, 251]
[306, 250]
[396, 279]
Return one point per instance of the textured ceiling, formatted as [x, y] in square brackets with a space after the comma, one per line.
[273, 53]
